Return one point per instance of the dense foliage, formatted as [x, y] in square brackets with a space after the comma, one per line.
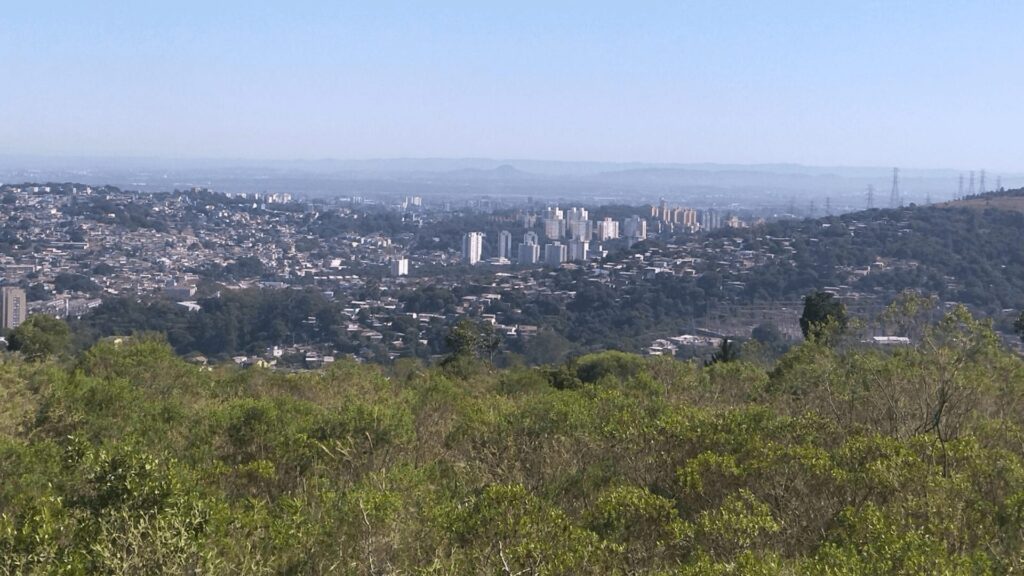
[966, 255]
[245, 322]
[837, 459]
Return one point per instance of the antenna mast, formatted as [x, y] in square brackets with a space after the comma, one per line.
[894, 198]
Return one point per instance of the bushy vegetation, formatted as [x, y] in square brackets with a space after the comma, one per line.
[836, 459]
[960, 254]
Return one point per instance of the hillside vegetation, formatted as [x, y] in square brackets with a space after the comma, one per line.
[836, 459]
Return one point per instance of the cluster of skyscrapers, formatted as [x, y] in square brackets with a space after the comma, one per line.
[689, 219]
[566, 236]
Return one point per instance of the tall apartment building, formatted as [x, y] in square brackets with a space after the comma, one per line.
[554, 254]
[607, 229]
[578, 250]
[399, 266]
[710, 219]
[472, 247]
[529, 253]
[13, 307]
[554, 223]
[635, 228]
[689, 217]
[505, 245]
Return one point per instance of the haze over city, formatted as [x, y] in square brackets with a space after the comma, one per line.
[915, 84]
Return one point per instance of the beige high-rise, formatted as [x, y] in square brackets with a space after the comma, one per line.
[13, 307]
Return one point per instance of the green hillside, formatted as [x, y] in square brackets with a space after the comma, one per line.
[837, 459]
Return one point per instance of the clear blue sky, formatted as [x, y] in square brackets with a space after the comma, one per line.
[927, 83]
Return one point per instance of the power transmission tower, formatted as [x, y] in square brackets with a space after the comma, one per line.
[981, 183]
[871, 196]
[894, 198]
[960, 188]
[828, 206]
[999, 183]
[970, 187]
[811, 210]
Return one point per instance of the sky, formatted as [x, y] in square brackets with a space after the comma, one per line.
[927, 84]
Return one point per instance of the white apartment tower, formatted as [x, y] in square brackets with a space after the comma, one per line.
[635, 228]
[399, 266]
[554, 254]
[472, 247]
[529, 253]
[578, 250]
[607, 229]
[505, 245]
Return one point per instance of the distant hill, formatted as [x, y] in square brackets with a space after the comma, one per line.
[1003, 200]
[499, 173]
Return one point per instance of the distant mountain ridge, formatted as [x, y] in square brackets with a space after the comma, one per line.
[752, 185]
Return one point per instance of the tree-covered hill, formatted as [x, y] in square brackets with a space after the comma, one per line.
[967, 255]
[836, 459]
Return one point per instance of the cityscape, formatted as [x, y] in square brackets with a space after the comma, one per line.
[518, 289]
[70, 246]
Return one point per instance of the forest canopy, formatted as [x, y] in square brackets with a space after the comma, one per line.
[839, 458]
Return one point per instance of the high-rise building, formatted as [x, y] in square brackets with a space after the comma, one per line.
[505, 245]
[399, 266]
[531, 238]
[635, 228]
[710, 219]
[689, 217]
[578, 250]
[553, 213]
[554, 254]
[13, 307]
[578, 224]
[576, 214]
[472, 247]
[554, 228]
[607, 229]
[554, 223]
[529, 253]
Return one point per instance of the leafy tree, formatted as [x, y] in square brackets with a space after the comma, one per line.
[728, 351]
[768, 334]
[468, 339]
[40, 336]
[820, 310]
